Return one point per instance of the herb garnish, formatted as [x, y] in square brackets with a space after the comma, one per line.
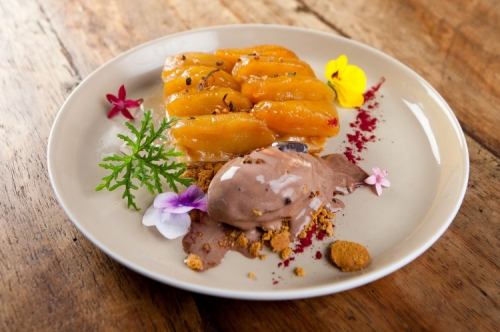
[147, 162]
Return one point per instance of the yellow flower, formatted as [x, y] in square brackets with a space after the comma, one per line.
[348, 81]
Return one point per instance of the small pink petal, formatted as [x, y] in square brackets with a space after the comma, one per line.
[122, 93]
[173, 225]
[127, 114]
[376, 170]
[111, 98]
[371, 180]
[385, 183]
[114, 112]
[378, 187]
[131, 104]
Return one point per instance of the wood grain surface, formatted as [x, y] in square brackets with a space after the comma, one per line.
[54, 279]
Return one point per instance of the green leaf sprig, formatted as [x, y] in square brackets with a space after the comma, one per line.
[147, 163]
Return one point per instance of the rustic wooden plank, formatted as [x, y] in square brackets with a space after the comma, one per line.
[453, 286]
[51, 278]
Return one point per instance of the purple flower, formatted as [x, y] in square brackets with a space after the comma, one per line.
[378, 179]
[120, 104]
[169, 212]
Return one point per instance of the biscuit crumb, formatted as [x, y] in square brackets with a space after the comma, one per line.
[254, 249]
[257, 213]
[303, 234]
[300, 271]
[329, 230]
[285, 253]
[203, 174]
[242, 240]
[349, 256]
[280, 241]
[304, 189]
[262, 257]
[193, 262]
[206, 247]
[251, 275]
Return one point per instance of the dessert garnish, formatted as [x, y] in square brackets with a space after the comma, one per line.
[121, 104]
[146, 164]
[378, 179]
[169, 212]
[349, 256]
[348, 81]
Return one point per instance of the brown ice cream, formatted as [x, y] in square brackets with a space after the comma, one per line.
[259, 190]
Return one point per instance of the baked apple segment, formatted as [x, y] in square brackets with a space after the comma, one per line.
[232, 55]
[200, 77]
[286, 87]
[259, 65]
[299, 117]
[219, 137]
[195, 59]
[194, 102]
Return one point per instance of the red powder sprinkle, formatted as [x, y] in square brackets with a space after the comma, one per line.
[333, 122]
[275, 282]
[321, 235]
[280, 263]
[318, 255]
[305, 242]
[364, 124]
[287, 261]
[370, 94]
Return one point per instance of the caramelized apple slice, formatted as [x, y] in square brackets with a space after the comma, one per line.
[299, 117]
[200, 77]
[194, 102]
[195, 59]
[286, 87]
[269, 66]
[233, 54]
[220, 137]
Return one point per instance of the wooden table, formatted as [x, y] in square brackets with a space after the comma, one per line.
[52, 278]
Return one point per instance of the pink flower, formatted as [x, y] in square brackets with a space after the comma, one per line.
[378, 179]
[169, 212]
[120, 104]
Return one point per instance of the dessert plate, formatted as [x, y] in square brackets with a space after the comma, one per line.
[418, 141]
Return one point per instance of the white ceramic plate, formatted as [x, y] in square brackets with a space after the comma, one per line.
[419, 141]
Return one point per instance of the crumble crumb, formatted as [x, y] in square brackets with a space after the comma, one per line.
[349, 256]
[242, 240]
[203, 174]
[254, 249]
[285, 253]
[280, 241]
[303, 234]
[300, 271]
[193, 262]
[251, 275]
[206, 247]
[262, 257]
[257, 213]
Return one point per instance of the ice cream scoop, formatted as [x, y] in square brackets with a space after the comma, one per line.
[262, 188]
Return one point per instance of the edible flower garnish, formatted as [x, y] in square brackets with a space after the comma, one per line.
[378, 179]
[169, 212]
[121, 105]
[348, 81]
[147, 162]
